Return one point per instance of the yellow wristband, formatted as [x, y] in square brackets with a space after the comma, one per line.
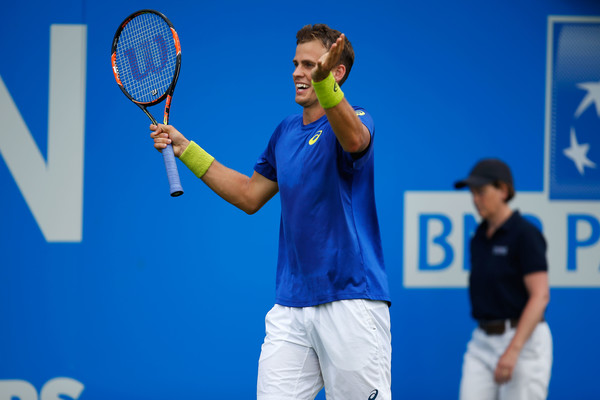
[196, 159]
[328, 92]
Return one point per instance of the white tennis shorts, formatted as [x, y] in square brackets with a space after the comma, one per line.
[531, 375]
[344, 346]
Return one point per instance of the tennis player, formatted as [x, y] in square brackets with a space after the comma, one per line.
[330, 325]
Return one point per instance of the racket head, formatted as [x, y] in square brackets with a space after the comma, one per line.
[146, 57]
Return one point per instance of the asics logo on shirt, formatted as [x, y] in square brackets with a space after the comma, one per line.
[373, 394]
[314, 139]
[359, 113]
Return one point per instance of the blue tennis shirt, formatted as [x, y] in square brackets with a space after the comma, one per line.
[329, 240]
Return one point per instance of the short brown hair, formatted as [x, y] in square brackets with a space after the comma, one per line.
[327, 37]
[510, 189]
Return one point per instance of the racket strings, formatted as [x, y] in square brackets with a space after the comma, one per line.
[146, 57]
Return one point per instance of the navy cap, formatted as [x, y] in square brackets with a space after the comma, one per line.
[487, 171]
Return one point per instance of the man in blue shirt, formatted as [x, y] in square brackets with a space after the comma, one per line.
[330, 325]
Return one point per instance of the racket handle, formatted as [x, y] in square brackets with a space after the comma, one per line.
[172, 174]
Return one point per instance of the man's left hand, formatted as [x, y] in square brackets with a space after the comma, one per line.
[329, 60]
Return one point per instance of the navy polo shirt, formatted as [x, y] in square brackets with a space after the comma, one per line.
[498, 265]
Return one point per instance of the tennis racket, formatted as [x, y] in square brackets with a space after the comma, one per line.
[146, 57]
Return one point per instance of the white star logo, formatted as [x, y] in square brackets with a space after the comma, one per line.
[578, 153]
[592, 96]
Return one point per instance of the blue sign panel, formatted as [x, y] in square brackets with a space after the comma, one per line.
[575, 126]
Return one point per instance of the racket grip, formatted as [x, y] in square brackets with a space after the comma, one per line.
[172, 174]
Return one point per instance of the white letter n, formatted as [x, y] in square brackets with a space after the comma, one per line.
[53, 190]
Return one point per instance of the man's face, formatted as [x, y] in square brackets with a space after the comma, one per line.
[307, 55]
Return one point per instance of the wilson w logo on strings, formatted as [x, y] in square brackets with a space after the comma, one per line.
[150, 53]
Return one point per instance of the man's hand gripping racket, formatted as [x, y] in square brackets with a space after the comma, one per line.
[146, 58]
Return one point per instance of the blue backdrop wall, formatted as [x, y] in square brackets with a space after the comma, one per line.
[109, 288]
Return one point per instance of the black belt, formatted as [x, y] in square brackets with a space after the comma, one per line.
[498, 327]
